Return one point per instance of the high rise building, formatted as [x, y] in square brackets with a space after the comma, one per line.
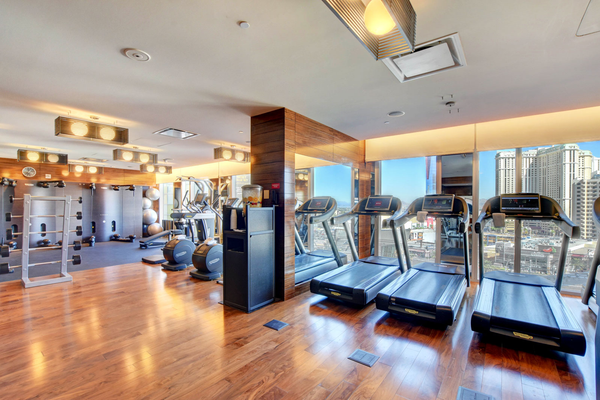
[585, 192]
[549, 171]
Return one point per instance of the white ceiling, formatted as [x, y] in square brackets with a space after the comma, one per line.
[209, 76]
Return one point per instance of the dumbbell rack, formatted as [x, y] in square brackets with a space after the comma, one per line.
[64, 275]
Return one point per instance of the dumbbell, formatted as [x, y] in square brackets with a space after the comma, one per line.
[44, 243]
[11, 235]
[76, 260]
[6, 250]
[8, 216]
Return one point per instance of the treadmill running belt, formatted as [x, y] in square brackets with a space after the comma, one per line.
[347, 280]
[380, 260]
[424, 290]
[523, 307]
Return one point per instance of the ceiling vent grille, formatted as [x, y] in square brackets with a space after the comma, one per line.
[175, 133]
[439, 55]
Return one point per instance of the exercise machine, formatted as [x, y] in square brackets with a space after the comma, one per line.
[318, 210]
[178, 254]
[359, 282]
[429, 291]
[526, 307]
[589, 292]
[152, 241]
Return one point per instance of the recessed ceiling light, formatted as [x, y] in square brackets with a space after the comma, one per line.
[243, 24]
[136, 54]
[396, 113]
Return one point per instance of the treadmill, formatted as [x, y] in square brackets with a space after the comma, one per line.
[308, 265]
[430, 291]
[589, 292]
[524, 306]
[359, 282]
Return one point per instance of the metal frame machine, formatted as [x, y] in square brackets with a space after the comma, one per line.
[523, 306]
[589, 293]
[430, 291]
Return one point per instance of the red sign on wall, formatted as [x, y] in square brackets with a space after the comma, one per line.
[275, 185]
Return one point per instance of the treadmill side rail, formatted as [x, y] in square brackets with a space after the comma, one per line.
[482, 310]
[572, 339]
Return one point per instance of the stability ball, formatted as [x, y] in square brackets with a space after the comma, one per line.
[153, 194]
[146, 203]
[149, 216]
[154, 228]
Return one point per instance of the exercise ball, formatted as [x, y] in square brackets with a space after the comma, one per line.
[154, 228]
[153, 194]
[146, 203]
[149, 216]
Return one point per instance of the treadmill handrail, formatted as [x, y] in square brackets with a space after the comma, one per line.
[589, 286]
[321, 217]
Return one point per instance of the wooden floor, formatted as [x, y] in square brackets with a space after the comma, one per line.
[136, 332]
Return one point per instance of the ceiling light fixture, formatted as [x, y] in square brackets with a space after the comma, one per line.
[86, 169]
[385, 27]
[175, 133]
[159, 169]
[42, 157]
[396, 113]
[87, 130]
[231, 154]
[134, 156]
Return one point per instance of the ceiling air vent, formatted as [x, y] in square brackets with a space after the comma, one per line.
[429, 58]
[175, 133]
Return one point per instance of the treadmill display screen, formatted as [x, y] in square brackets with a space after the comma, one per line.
[529, 203]
[231, 202]
[318, 203]
[438, 203]
[380, 203]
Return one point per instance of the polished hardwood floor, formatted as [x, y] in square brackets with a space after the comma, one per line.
[137, 332]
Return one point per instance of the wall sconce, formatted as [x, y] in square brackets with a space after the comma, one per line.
[134, 156]
[156, 169]
[42, 157]
[86, 130]
[86, 169]
[385, 27]
[231, 154]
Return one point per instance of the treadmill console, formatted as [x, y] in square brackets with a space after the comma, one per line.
[231, 202]
[378, 203]
[318, 203]
[438, 203]
[520, 203]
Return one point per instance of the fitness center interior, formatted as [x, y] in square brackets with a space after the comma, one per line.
[324, 199]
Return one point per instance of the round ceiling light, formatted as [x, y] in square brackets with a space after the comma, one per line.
[162, 169]
[243, 24]
[79, 168]
[144, 157]
[107, 133]
[127, 155]
[227, 154]
[378, 20]
[136, 54]
[150, 168]
[33, 155]
[396, 113]
[52, 157]
[92, 170]
[79, 129]
[239, 155]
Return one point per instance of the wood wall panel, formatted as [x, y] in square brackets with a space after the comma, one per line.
[276, 138]
[11, 169]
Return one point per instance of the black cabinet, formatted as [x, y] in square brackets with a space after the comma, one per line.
[249, 258]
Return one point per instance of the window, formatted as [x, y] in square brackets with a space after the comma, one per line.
[166, 204]
[334, 181]
[237, 181]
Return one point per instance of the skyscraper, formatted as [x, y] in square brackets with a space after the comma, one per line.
[549, 171]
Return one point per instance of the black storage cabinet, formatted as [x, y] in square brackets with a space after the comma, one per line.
[249, 258]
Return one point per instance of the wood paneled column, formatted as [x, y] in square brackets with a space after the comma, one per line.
[272, 157]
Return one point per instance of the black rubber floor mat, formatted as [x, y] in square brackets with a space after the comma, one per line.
[364, 358]
[468, 394]
[275, 324]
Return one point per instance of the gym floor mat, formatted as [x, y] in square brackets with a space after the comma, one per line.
[364, 358]
[275, 324]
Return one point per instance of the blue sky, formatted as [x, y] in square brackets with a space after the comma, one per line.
[334, 181]
[404, 179]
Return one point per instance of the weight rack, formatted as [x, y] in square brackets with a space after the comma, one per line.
[64, 275]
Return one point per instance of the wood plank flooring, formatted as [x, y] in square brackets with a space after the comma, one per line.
[137, 332]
